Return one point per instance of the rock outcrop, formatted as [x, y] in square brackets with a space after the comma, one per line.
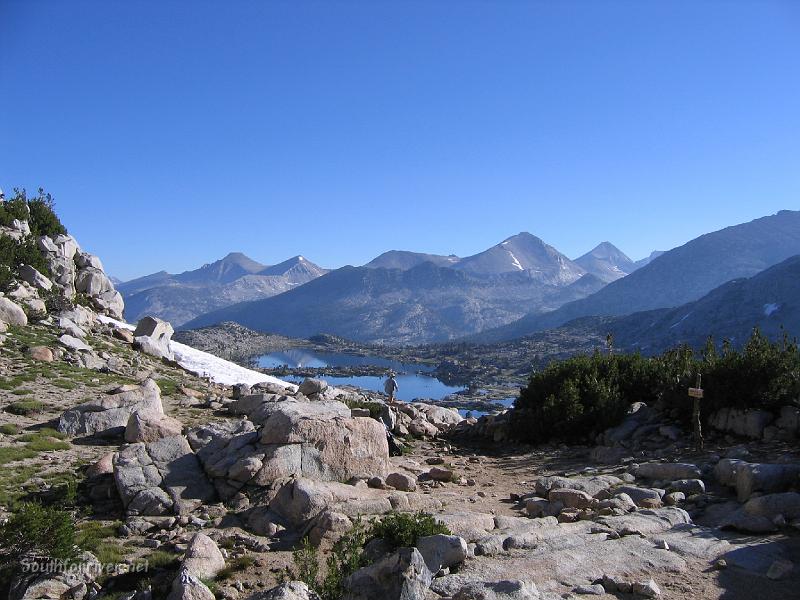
[161, 477]
[108, 415]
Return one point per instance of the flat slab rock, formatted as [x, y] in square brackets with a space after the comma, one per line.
[561, 556]
[300, 500]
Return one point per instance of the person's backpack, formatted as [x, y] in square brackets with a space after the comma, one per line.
[389, 386]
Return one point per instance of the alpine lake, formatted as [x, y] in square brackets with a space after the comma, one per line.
[415, 381]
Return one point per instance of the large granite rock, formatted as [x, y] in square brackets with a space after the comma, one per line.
[316, 440]
[748, 478]
[161, 477]
[11, 313]
[300, 500]
[747, 423]
[109, 415]
[30, 275]
[152, 336]
[203, 558]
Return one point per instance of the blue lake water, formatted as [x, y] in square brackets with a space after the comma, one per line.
[412, 384]
[299, 358]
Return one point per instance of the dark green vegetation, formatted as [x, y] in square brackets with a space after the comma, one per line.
[577, 398]
[401, 530]
[38, 531]
[347, 556]
[38, 211]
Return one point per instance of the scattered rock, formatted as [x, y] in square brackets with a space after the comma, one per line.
[41, 353]
[402, 482]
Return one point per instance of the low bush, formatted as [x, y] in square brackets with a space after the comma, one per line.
[25, 407]
[374, 408]
[9, 429]
[347, 555]
[43, 443]
[575, 399]
[9, 454]
[38, 531]
[401, 530]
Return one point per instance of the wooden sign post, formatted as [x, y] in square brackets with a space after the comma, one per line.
[696, 393]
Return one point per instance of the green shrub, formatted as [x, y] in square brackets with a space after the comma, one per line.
[306, 562]
[39, 213]
[44, 443]
[347, 555]
[401, 530]
[10, 454]
[13, 209]
[14, 254]
[25, 407]
[374, 408]
[42, 219]
[38, 531]
[345, 559]
[9, 429]
[577, 398]
[161, 559]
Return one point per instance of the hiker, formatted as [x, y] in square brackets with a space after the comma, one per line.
[391, 387]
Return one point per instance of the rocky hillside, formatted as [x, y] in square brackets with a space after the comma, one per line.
[769, 301]
[681, 275]
[422, 304]
[235, 278]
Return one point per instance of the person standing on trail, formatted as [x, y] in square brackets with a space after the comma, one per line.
[391, 387]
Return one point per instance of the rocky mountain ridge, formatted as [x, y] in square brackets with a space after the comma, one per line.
[425, 303]
[678, 276]
[232, 279]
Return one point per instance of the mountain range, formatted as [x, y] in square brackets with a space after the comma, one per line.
[681, 275]
[422, 304]
[490, 288]
[232, 279]
[513, 289]
[769, 300]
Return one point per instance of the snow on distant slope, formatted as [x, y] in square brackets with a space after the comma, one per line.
[204, 364]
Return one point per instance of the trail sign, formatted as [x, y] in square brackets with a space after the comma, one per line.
[697, 393]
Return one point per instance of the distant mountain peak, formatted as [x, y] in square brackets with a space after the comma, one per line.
[524, 252]
[607, 262]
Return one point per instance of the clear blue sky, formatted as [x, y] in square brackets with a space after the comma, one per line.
[171, 133]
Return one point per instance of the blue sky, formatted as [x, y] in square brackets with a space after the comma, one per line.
[171, 133]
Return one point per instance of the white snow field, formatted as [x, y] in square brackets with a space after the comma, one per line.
[207, 365]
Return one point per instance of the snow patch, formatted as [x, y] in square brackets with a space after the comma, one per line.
[770, 308]
[674, 325]
[205, 364]
[514, 260]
